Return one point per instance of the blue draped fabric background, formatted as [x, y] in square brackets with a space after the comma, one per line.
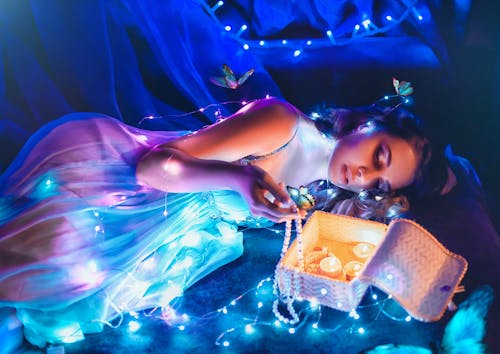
[131, 59]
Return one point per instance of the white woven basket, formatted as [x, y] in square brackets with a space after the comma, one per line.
[408, 263]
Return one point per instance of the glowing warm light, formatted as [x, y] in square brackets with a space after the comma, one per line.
[363, 250]
[249, 329]
[352, 269]
[93, 266]
[133, 326]
[174, 168]
[330, 266]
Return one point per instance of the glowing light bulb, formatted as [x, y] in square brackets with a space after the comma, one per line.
[133, 326]
[225, 343]
[227, 28]
[246, 46]
[249, 329]
[284, 42]
[408, 318]
[291, 330]
[361, 330]
[297, 53]
[261, 43]
[309, 42]
[388, 18]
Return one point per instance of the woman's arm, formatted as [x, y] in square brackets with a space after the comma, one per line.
[203, 161]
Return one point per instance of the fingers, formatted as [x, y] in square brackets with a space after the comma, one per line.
[277, 190]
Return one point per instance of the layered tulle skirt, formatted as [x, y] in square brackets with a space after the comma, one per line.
[81, 241]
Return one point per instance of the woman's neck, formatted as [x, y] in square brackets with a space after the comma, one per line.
[318, 148]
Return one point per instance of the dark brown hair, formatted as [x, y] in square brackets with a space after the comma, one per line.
[432, 171]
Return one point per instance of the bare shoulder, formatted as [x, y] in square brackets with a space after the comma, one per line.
[256, 129]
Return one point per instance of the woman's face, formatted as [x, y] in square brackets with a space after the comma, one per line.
[372, 159]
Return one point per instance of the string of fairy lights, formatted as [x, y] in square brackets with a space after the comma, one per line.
[310, 313]
[365, 27]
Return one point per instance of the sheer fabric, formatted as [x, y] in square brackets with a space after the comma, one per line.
[82, 241]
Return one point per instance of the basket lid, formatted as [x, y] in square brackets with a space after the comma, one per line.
[417, 270]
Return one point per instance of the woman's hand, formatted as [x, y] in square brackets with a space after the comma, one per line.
[264, 196]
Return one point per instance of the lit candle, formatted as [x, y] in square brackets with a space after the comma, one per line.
[363, 250]
[352, 269]
[331, 266]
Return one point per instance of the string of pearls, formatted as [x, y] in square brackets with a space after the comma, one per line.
[290, 284]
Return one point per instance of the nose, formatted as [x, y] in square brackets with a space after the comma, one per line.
[364, 177]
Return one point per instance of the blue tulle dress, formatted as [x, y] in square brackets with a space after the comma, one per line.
[81, 241]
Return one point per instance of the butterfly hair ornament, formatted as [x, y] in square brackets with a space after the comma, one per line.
[229, 79]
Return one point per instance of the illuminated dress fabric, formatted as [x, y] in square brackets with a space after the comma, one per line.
[82, 240]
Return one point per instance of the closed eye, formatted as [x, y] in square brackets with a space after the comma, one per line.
[382, 156]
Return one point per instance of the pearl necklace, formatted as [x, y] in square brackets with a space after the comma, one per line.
[290, 283]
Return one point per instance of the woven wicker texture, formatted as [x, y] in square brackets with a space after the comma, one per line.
[408, 263]
[416, 270]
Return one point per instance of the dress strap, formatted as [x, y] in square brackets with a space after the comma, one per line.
[247, 160]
